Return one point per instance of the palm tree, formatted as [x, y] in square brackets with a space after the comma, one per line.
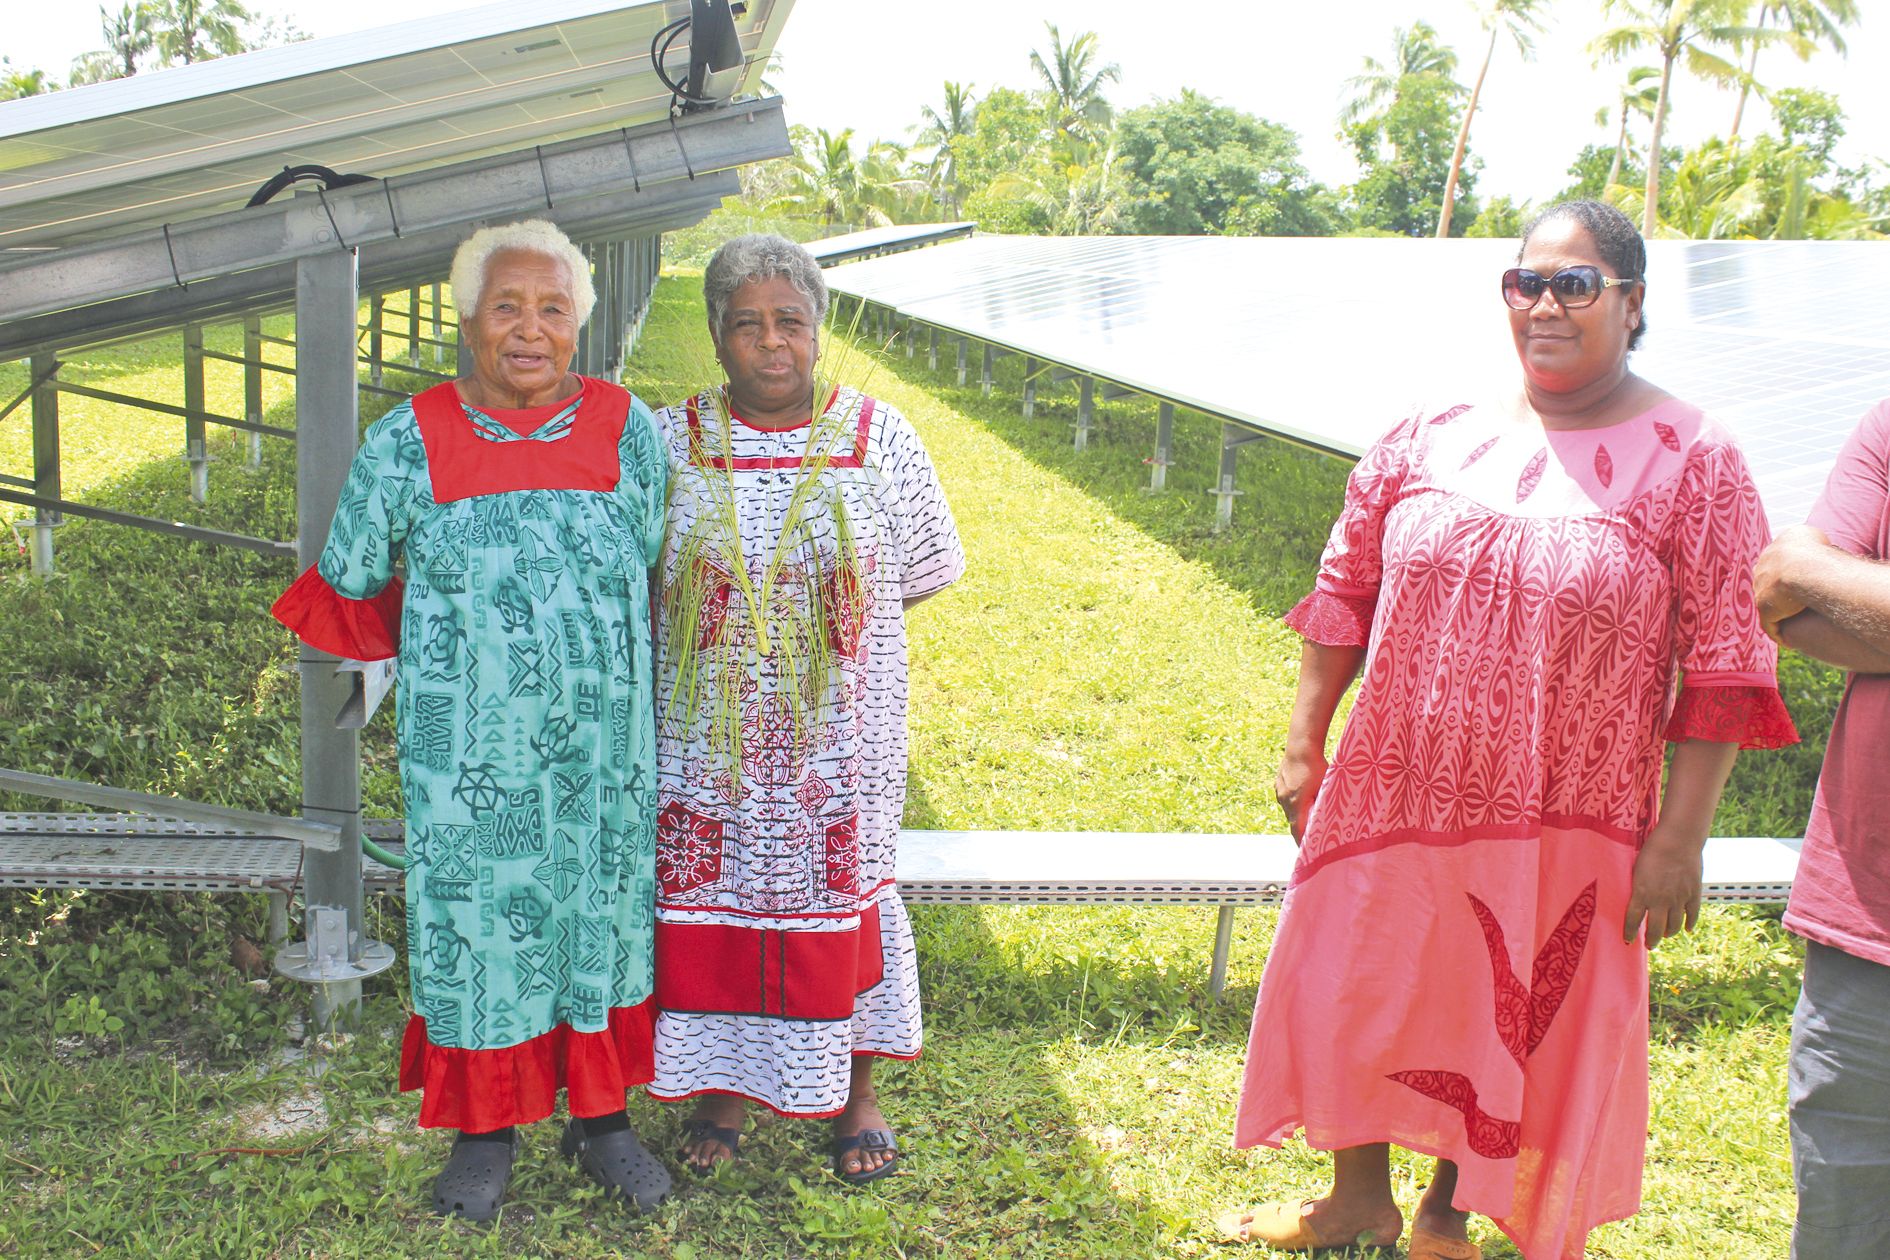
[1075, 90]
[1676, 28]
[1816, 21]
[943, 130]
[1637, 96]
[833, 184]
[1415, 50]
[199, 30]
[128, 36]
[1517, 19]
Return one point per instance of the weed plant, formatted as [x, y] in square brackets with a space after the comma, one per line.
[1107, 663]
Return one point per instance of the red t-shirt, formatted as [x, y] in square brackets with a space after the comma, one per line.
[1841, 896]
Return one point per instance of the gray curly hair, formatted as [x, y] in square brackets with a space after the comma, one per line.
[745, 259]
[468, 274]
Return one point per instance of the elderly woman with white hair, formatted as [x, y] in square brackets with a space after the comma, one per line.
[804, 518]
[527, 506]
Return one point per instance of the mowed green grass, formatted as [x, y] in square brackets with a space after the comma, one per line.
[1107, 663]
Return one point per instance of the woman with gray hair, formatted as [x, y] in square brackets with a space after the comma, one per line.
[527, 505]
[804, 518]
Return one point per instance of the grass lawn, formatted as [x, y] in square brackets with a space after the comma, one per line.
[1107, 663]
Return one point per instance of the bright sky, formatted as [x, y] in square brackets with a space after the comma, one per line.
[864, 64]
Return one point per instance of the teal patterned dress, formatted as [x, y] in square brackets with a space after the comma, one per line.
[525, 731]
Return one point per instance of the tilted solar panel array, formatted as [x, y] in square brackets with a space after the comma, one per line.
[1328, 341]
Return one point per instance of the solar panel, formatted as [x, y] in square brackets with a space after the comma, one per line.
[873, 242]
[98, 161]
[1328, 341]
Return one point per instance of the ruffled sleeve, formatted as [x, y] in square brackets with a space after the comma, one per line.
[1750, 716]
[1338, 612]
[356, 629]
[1729, 684]
[348, 602]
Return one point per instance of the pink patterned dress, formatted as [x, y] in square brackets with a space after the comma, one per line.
[1449, 973]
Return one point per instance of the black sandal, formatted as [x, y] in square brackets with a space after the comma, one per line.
[619, 1163]
[472, 1184]
[866, 1141]
[695, 1129]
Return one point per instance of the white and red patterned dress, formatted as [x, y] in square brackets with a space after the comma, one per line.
[1449, 972]
[782, 947]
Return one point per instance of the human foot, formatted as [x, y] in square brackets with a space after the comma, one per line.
[713, 1135]
[864, 1149]
[1439, 1231]
[1312, 1224]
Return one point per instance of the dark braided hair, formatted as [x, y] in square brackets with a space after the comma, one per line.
[1615, 236]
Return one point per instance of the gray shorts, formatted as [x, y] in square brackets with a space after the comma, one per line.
[1840, 1108]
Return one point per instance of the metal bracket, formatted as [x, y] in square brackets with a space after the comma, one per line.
[325, 957]
[371, 682]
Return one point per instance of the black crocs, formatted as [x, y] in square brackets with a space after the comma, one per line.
[472, 1184]
[617, 1162]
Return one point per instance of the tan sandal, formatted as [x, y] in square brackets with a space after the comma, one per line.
[1287, 1227]
[1426, 1245]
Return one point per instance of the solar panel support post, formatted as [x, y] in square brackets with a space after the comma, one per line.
[45, 460]
[413, 325]
[327, 407]
[1223, 945]
[1232, 439]
[1085, 411]
[1030, 387]
[1164, 448]
[931, 354]
[252, 384]
[586, 339]
[196, 443]
[964, 348]
[984, 374]
[911, 335]
[376, 308]
[438, 330]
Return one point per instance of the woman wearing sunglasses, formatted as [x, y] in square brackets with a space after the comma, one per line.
[1461, 966]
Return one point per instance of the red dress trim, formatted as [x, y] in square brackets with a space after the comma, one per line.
[355, 629]
[462, 464]
[726, 464]
[1334, 620]
[1752, 717]
[729, 969]
[482, 1090]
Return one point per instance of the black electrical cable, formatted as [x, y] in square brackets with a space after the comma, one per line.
[667, 37]
[330, 181]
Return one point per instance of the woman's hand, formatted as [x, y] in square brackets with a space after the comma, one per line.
[1667, 886]
[1296, 786]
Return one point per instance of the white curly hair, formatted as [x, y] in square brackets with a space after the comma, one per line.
[468, 275]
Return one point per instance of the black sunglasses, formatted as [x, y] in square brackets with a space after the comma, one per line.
[1574, 287]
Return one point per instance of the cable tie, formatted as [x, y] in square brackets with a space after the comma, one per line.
[680, 149]
[387, 190]
[544, 176]
[172, 251]
[628, 152]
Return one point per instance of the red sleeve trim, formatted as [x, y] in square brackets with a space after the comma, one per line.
[1334, 620]
[1752, 717]
[483, 1090]
[355, 629]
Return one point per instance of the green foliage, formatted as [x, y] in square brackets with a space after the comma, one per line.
[1404, 152]
[1501, 217]
[1811, 122]
[1193, 162]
